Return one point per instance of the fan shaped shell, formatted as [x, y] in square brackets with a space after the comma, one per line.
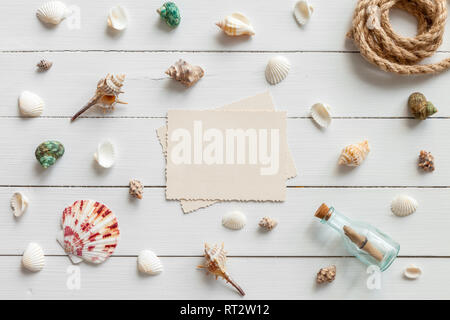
[302, 12]
[30, 104]
[149, 263]
[19, 203]
[277, 69]
[105, 154]
[118, 18]
[412, 272]
[33, 257]
[53, 12]
[234, 220]
[321, 114]
[90, 231]
[236, 24]
[403, 205]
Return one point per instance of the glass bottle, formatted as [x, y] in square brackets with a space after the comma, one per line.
[365, 242]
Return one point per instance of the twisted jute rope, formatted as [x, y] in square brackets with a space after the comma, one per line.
[379, 44]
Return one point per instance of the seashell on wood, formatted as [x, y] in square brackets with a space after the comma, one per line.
[33, 258]
[90, 231]
[412, 272]
[302, 12]
[426, 161]
[277, 69]
[44, 65]
[354, 154]
[118, 18]
[53, 12]
[170, 13]
[136, 189]
[149, 263]
[420, 107]
[234, 220]
[107, 94]
[215, 260]
[327, 274]
[321, 114]
[268, 223]
[403, 205]
[30, 104]
[19, 204]
[236, 24]
[186, 73]
[48, 152]
[105, 154]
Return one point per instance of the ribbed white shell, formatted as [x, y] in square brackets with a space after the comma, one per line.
[105, 154]
[412, 272]
[30, 104]
[403, 205]
[53, 12]
[234, 220]
[321, 114]
[277, 69]
[33, 258]
[118, 18]
[149, 263]
[19, 203]
[302, 12]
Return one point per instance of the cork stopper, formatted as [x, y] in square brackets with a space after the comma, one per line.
[323, 212]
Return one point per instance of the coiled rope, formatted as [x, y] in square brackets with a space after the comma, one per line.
[379, 44]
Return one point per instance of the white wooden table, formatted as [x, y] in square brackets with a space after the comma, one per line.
[282, 264]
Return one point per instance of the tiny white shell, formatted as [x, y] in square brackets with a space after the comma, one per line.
[19, 203]
[403, 205]
[277, 69]
[53, 12]
[30, 104]
[321, 114]
[234, 220]
[412, 272]
[302, 12]
[33, 257]
[117, 18]
[149, 263]
[105, 154]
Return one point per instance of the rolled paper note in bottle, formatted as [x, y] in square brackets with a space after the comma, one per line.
[364, 241]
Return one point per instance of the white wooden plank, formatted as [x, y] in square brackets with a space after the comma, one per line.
[159, 224]
[395, 145]
[347, 82]
[261, 278]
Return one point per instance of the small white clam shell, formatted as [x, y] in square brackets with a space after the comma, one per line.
[53, 12]
[149, 263]
[30, 104]
[33, 257]
[118, 18]
[19, 203]
[277, 69]
[321, 114]
[403, 205]
[105, 154]
[412, 272]
[234, 220]
[302, 12]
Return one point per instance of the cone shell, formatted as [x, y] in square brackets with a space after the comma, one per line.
[118, 18]
[236, 24]
[19, 204]
[234, 220]
[90, 231]
[44, 65]
[403, 205]
[53, 12]
[354, 154]
[302, 12]
[277, 69]
[149, 263]
[105, 154]
[412, 272]
[321, 114]
[33, 258]
[30, 104]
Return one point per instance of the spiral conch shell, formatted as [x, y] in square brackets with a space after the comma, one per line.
[106, 95]
[354, 154]
[420, 107]
[186, 73]
[236, 24]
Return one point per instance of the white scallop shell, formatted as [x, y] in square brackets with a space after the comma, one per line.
[117, 18]
[53, 12]
[403, 205]
[302, 12]
[412, 272]
[234, 220]
[149, 263]
[30, 104]
[277, 69]
[321, 114]
[19, 203]
[105, 154]
[33, 258]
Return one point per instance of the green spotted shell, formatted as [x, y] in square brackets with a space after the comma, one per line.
[170, 13]
[48, 152]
